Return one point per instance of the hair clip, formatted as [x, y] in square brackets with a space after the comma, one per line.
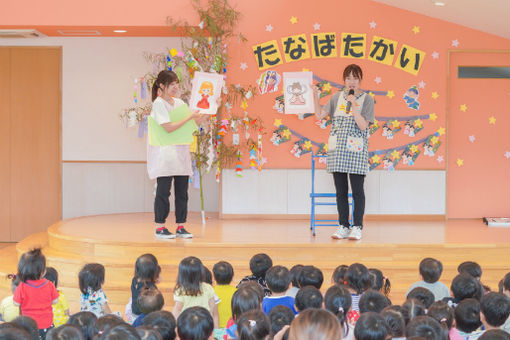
[341, 309]
[253, 323]
[345, 282]
[443, 320]
[100, 332]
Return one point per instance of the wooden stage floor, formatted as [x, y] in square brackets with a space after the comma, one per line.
[395, 247]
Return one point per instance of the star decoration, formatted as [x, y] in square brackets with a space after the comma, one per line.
[472, 138]
[326, 87]
[342, 107]
[434, 140]
[422, 84]
[316, 26]
[371, 94]
[435, 95]
[441, 131]
[413, 148]
[395, 124]
[307, 145]
[201, 25]
[492, 120]
[228, 106]
[244, 66]
[376, 123]
[460, 162]
[287, 133]
[263, 160]
[305, 70]
[244, 104]
[440, 159]
[507, 154]
[395, 154]
[416, 29]
[378, 80]
[269, 28]
[376, 159]
[455, 43]
[433, 117]
[463, 107]
[418, 123]
[390, 94]
[372, 24]
[293, 20]
[435, 55]
[326, 146]
[277, 122]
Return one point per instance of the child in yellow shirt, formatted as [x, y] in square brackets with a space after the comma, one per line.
[8, 310]
[61, 309]
[223, 274]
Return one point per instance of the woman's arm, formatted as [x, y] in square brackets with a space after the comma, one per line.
[320, 113]
[358, 118]
[214, 311]
[172, 126]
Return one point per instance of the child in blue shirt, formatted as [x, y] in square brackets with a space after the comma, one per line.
[278, 281]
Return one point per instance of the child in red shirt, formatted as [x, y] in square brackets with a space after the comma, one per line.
[35, 294]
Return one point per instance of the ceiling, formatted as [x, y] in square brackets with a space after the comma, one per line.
[489, 16]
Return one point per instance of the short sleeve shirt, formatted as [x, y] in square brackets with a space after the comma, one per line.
[35, 298]
[8, 310]
[201, 300]
[93, 301]
[59, 310]
[367, 110]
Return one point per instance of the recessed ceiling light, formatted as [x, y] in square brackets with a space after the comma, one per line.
[439, 3]
[120, 31]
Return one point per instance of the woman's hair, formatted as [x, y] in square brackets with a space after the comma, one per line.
[442, 313]
[91, 276]
[85, 321]
[358, 278]
[148, 333]
[317, 324]
[122, 331]
[165, 78]
[147, 268]
[253, 325]
[395, 320]
[104, 323]
[52, 275]
[28, 324]
[338, 301]
[65, 332]
[195, 323]
[189, 276]
[427, 328]
[243, 300]
[338, 276]
[206, 85]
[31, 265]
[379, 281]
[353, 69]
[163, 322]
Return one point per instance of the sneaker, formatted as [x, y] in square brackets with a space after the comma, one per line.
[355, 233]
[183, 233]
[341, 232]
[164, 234]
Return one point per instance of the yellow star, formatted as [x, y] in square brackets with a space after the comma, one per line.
[434, 140]
[395, 154]
[244, 104]
[390, 94]
[416, 29]
[441, 131]
[293, 20]
[305, 70]
[376, 123]
[460, 162]
[433, 117]
[413, 148]
[277, 122]
[326, 87]
[418, 123]
[395, 124]
[492, 120]
[326, 147]
[371, 94]
[287, 133]
[435, 95]
[342, 107]
[376, 159]
[463, 107]
[307, 145]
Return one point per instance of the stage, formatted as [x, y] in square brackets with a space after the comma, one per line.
[393, 246]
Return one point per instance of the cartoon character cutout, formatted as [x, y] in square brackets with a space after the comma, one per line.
[388, 164]
[387, 131]
[322, 153]
[411, 98]
[407, 158]
[276, 137]
[296, 91]
[206, 90]
[268, 82]
[279, 104]
[324, 122]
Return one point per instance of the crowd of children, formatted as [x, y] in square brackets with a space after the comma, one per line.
[272, 303]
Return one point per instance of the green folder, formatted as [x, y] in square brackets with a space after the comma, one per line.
[158, 136]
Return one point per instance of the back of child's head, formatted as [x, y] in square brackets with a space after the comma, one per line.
[294, 274]
[422, 294]
[122, 331]
[427, 328]
[10, 331]
[259, 264]
[52, 275]
[371, 326]
[147, 268]
[380, 282]
[506, 284]
[495, 308]
[338, 276]
[223, 273]
[163, 322]
[358, 278]
[65, 332]
[150, 300]
[317, 324]
[338, 301]
[253, 325]
[467, 315]
[28, 324]
[394, 317]
[91, 277]
[206, 275]
[278, 279]
[373, 301]
[189, 277]
[15, 281]
[256, 287]
[413, 308]
[104, 323]
[310, 276]
[471, 268]
[31, 265]
[442, 313]
[279, 317]
[85, 321]
[148, 333]
[465, 286]
[308, 297]
[431, 270]
[495, 334]
[195, 323]
[243, 300]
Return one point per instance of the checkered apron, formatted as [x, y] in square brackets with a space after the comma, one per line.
[347, 144]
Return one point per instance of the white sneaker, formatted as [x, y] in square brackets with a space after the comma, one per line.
[341, 232]
[355, 233]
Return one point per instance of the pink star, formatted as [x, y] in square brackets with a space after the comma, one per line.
[455, 43]
[507, 154]
[244, 66]
[440, 159]
[378, 80]
[372, 24]
[435, 54]
[269, 28]
[316, 26]
[422, 84]
[472, 138]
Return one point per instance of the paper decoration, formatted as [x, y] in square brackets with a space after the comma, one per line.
[431, 145]
[324, 122]
[390, 128]
[206, 89]
[259, 152]
[298, 96]
[378, 80]
[301, 147]
[411, 98]
[279, 104]
[435, 55]
[269, 28]
[372, 24]
[158, 136]
[268, 82]
[416, 29]
[316, 26]
[253, 157]
[239, 165]
[281, 135]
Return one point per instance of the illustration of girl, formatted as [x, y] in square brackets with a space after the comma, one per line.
[297, 91]
[206, 90]
[271, 82]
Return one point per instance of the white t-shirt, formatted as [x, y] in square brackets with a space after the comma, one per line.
[168, 160]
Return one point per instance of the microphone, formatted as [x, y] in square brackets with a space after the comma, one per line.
[351, 92]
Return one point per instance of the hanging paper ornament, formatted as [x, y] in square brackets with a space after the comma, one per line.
[253, 157]
[143, 92]
[373, 127]
[132, 118]
[301, 147]
[195, 179]
[374, 162]
[259, 151]
[249, 94]
[281, 135]
[223, 127]
[246, 121]
[211, 153]
[239, 165]
[431, 145]
[169, 64]
[218, 172]
[324, 122]
[390, 128]
[142, 127]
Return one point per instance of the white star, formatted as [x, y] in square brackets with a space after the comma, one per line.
[263, 160]
[435, 54]
[316, 26]
[378, 80]
[455, 42]
[472, 138]
[507, 154]
[244, 66]
[372, 24]
[269, 28]
[440, 159]
[201, 25]
[422, 84]
[228, 106]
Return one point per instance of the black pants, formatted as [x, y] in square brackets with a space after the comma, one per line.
[342, 202]
[162, 203]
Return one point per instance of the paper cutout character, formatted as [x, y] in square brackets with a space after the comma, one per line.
[299, 148]
[388, 164]
[406, 128]
[276, 137]
[323, 151]
[411, 98]
[297, 90]
[206, 90]
[409, 156]
[279, 104]
[280, 135]
[387, 131]
[268, 82]
[324, 122]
